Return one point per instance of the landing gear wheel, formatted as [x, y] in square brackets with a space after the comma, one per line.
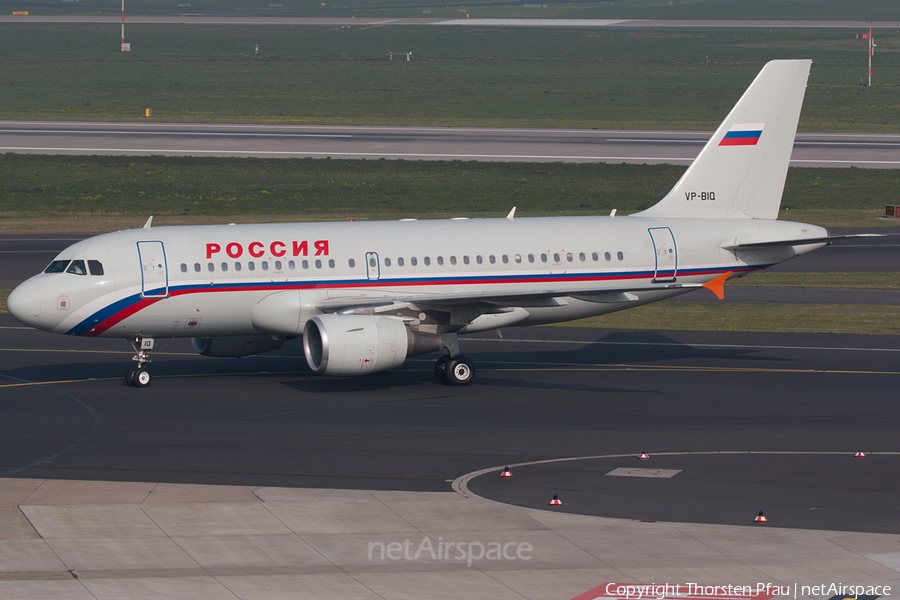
[459, 371]
[440, 369]
[129, 376]
[141, 378]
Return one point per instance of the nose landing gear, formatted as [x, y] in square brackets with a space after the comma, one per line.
[139, 376]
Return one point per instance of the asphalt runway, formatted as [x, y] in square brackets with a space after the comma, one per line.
[420, 143]
[541, 393]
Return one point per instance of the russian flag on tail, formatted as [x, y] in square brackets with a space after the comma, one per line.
[743, 134]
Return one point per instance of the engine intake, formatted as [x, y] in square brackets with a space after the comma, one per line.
[362, 344]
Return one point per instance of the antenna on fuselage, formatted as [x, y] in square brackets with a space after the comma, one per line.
[147, 224]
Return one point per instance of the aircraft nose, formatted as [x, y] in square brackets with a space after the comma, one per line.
[24, 303]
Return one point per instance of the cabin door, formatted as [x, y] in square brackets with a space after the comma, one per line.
[154, 274]
[666, 254]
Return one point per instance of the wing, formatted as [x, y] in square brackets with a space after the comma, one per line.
[491, 300]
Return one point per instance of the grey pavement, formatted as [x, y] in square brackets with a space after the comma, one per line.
[103, 540]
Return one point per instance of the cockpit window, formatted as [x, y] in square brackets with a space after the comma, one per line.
[96, 267]
[57, 266]
[77, 268]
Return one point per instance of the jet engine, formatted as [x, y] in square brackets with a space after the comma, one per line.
[236, 346]
[360, 344]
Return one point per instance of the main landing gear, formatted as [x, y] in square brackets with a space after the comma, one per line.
[139, 376]
[454, 370]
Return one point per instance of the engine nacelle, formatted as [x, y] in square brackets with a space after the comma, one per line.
[236, 346]
[362, 344]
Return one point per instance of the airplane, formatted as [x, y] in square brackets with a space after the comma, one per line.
[365, 296]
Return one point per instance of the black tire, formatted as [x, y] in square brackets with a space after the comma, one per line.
[459, 371]
[141, 378]
[440, 369]
[129, 376]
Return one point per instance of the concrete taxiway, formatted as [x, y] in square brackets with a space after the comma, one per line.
[420, 143]
[123, 541]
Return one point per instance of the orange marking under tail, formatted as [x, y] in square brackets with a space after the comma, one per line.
[717, 285]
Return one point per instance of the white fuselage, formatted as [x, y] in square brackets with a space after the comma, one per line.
[205, 281]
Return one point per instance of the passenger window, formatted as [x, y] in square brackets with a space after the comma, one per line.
[183, 268]
[77, 268]
[277, 265]
[427, 260]
[318, 264]
[292, 265]
[478, 259]
[505, 259]
[556, 257]
[452, 260]
[400, 262]
[607, 256]
[569, 257]
[440, 260]
[57, 266]
[466, 259]
[518, 258]
[387, 262]
[224, 266]
[595, 256]
[350, 262]
[413, 261]
[97, 268]
[330, 263]
[620, 256]
[582, 257]
[492, 259]
[210, 267]
[265, 265]
[305, 263]
[531, 258]
[251, 265]
[237, 266]
[543, 258]
[196, 267]
[372, 262]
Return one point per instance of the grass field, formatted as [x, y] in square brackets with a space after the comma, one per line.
[883, 10]
[866, 319]
[95, 194]
[646, 79]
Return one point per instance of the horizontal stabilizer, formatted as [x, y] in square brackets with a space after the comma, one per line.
[806, 241]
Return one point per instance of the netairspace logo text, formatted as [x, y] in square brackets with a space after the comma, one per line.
[466, 551]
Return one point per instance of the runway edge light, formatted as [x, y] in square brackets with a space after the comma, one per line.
[860, 454]
[506, 472]
[760, 518]
[644, 456]
[556, 501]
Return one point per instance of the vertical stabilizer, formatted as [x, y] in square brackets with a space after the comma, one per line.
[740, 172]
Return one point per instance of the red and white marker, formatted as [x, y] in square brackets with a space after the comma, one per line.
[506, 473]
[644, 456]
[556, 501]
[860, 454]
[761, 518]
